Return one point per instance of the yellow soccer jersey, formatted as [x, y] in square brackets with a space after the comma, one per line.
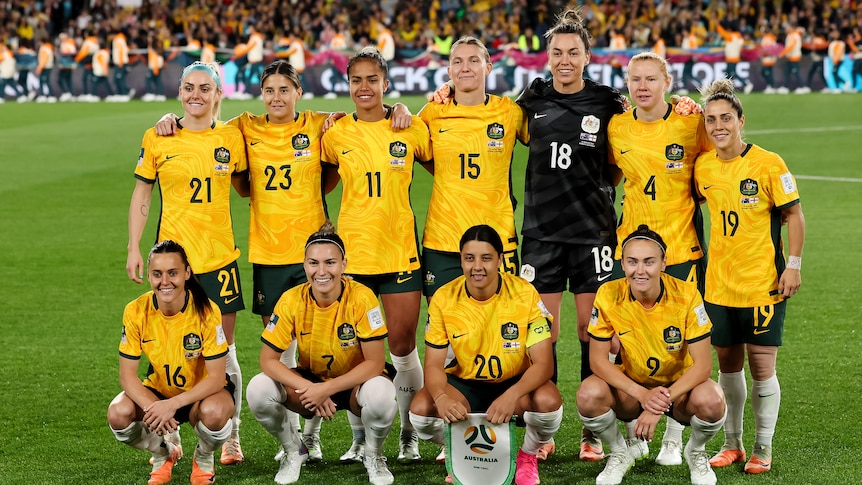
[472, 148]
[286, 191]
[745, 197]
[176, 346]
[657, 160]
[194, 171]
[327, 338]
[654, 342]
[490, 338]
[376, 220]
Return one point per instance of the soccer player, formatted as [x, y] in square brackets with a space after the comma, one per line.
[195, 170]
[568, 230]
[339, 330]
[375, 164]
[655, 148]
[180, 331]
[750, 191]
[499, 332]
[666, 360]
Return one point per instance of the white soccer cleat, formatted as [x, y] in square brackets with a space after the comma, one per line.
[308, 95]
[330, 95]
[616, 468]
[782, 90]
[698, 464]
[312, 442]
[408, 450]
[670, 453]
[354, 454]
[378, 472]
[638, 449]
[291, 466]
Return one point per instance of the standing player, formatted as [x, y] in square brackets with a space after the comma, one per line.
[666, 360]
[180, 330]
[376, 168]
[655, 148]
[749, 192]
[568, 196]
[339, 331]
[195, 170]
[498, 330]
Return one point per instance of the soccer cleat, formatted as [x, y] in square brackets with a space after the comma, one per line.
[291, 465]
[591, 447]
[526, 469]
[441, 458]
[203, 468]
[727, 457]
[546, 450]
[163, 465]
[231, 452]
[312, 442]
[760, 461]
[618, 464]
[698, 465]
[378, 472]
[354, 454]
[670, 453]
[638, 449]
[408, 450]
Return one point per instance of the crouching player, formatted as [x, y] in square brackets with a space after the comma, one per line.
[500, 334]
[666, 360]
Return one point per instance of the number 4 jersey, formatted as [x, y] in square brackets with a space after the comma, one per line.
[568, 193]
[491, 338]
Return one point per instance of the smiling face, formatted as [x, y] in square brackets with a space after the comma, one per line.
[468, 67]
[567, 58]
[167, 276]
[643, 261]
[280, 96]
[724, 128]
[367, 84]
[647, 82]
[481, 263]
[324, 265]
[199, 92]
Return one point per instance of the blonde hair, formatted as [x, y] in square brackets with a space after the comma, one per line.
[212, 70]
[652, 56]
[470, 40]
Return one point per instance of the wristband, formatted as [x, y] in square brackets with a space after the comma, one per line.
[794, 262]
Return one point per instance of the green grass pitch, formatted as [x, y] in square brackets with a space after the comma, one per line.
[64, 193]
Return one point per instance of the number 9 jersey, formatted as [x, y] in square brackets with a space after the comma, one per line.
[491, 338]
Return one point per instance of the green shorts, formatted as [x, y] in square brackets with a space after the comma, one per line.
[223, 287]
[441, 267]
[385, 284]
[691, 271]
[270, 281]
[762, 325]
[480, 394]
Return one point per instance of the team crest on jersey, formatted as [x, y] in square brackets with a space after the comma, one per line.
[346, 332]
[674, 152]
[591, 124]
[748, 187]
[260, 297]
[398, 149]
[192, 341]
[222, 155]
[528, 272]
[509, 331]
[496, 131]
[300, 141]
[429, 278]
[672, 339]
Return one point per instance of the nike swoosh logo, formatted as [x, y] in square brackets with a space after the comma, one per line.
[623, 152]
[303, 334]
[170, 157]
[602, 278]
[345, 152]
[228, 301]
[255, 143]
[623, 333]
[402, 280]
[458, 336]
[537, 115]
[441, 130]
[765, 395]
[148, 341]
[760, 332]
[705, 187]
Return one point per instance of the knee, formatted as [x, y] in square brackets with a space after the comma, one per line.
[547, 399]
[709, 402]
[376, 397]
[121, 412]
[214, 411]
[422, 404]
[262, 392]
[591, 396]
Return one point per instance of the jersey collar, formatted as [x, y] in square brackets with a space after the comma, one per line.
[660, 293]
[311, 293]
[666, 115]
[182, 310]
[213, 125]
[385, 117]
[499, 287]
[487, 99]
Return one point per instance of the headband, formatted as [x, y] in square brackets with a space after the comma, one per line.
[325, 238]
[202, 67]
[647, 238]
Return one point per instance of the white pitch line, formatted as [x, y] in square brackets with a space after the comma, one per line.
[829, 179]
[816, 129]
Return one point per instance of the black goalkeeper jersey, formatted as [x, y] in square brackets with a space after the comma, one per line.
[568, 193]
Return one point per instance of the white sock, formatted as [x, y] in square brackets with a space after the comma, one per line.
[138, 436]
[288, 358]
[376, 397]
[312, 425]
[541, 428]
[408, 380]
[735, 394]
[630, 429]
[765, 399]
[209, 440]
[232, 369]
[702, 432]
[673, 430]
[357, 427]
[266, 401]
[605, 428]
[429, 428]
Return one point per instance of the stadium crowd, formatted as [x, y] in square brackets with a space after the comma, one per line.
[102, 39]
